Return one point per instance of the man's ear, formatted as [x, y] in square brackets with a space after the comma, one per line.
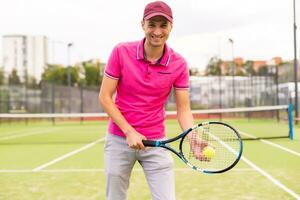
[143, 24]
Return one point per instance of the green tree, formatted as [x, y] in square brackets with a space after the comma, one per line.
[214, 66]
[248, 67]
[53, 73]
[92, 74]
[59, 74]
[74, 76]
[263, 70]
[32, 82]
[240, 73]
[13, 78]
[1, 77]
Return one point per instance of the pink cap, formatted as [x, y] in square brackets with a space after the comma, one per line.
[158, 8]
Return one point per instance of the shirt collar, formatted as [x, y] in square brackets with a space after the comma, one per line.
[164, 60]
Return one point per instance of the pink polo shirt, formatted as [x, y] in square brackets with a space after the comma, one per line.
[144, 87]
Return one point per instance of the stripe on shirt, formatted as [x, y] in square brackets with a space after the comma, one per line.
[111, 76]
[181, 88]
[168, 60]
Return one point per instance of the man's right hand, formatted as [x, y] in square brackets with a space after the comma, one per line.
[134, 140]
[197, 145]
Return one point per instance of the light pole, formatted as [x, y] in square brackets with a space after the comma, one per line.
[69, 64]
[295, 62]
[220, 83]
[69, 74]
[232, 72]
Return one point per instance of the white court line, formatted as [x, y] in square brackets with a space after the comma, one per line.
[267, 175]
[261, 171]
[271, 178]
[271, 143]
[281, 147]
[102, 170]
[28, 134]
[67, 155]
[10, 133]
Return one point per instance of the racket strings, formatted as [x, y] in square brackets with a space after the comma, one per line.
[224, 141]
[197, 142]
[193, 137]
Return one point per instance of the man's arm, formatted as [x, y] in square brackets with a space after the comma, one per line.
[184, 114]
[186, 121]
[107, 90]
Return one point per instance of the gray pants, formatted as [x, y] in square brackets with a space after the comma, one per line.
[119, 159]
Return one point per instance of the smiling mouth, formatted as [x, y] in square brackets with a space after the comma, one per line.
[153, 36]
[156, 38]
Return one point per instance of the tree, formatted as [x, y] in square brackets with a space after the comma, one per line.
[53, 73]
[263, 70]
[13, 78]
[59, 75]
[32, 82]
[74, 76]
[92, 74]
[214, 66]
[248, 67]
[240, 72]
[1, 77]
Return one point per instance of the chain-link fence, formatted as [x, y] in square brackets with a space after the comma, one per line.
[49, 98]
[205, 92]
[238, 91]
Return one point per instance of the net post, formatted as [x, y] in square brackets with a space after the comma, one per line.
[53, 101]
[81, 103]
[290, 117]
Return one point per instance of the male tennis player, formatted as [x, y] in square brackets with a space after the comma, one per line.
[142, 75]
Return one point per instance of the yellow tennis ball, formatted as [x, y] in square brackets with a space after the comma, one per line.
[209, 152]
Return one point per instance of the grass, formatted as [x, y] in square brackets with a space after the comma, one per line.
[81, 176]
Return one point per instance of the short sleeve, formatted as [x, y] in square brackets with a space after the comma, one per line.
[182, 80]
[113, 67]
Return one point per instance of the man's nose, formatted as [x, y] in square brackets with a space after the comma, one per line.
[157, 32]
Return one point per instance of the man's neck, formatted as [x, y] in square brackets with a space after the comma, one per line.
[153, 54]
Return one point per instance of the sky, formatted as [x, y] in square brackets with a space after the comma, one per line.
[260, 29]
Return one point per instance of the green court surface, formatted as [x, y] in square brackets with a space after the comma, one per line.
[39, 160]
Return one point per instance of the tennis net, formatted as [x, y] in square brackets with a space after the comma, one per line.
[251, 122]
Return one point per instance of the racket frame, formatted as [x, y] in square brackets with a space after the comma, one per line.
[164, 144]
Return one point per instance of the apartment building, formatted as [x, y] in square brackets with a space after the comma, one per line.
[27, 54]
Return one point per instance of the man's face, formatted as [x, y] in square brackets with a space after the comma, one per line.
[157, 30]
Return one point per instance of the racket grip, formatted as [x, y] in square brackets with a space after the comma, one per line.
[150, 143]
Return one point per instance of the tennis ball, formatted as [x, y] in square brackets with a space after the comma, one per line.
[209, 152]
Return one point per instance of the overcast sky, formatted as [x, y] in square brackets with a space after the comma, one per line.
[260, 29]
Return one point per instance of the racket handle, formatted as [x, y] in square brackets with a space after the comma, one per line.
[151, 143]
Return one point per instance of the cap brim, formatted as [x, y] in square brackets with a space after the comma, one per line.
[158, 14]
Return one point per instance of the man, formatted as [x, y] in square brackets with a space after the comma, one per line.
[142, 75]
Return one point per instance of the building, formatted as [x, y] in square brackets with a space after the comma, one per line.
[239, 65]
[27, 54]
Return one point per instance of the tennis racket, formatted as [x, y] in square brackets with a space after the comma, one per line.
[223, 141]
